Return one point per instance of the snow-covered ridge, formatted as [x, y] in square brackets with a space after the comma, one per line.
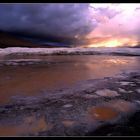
[77, 50]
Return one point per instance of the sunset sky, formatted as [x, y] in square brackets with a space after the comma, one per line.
[87, 25]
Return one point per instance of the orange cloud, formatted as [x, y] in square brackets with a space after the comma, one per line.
[112, 42]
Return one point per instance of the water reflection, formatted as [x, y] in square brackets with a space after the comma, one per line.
[117, 61]
[30, 125]
[33, 79]
[110, 110]
[103, 113]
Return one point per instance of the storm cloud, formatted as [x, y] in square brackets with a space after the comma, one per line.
[57, 20]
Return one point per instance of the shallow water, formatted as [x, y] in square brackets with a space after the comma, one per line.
[68, 69]
[30, 125]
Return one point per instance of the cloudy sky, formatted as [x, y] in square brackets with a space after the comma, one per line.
[88, 25]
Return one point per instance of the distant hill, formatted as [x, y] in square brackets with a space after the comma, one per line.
[9, 40]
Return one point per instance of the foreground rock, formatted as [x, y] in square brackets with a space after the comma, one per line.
[93, 107]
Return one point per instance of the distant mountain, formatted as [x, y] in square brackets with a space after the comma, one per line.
[10, 40]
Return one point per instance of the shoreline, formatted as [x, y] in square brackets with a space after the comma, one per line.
[70, 51]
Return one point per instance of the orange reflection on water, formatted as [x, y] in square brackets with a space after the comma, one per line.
[30, 125]
[111, 110]
[103, 113]
[117, 61]
[35, 79]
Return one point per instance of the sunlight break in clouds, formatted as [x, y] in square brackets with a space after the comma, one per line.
[118, 25]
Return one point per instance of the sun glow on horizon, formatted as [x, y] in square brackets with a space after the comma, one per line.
[120, 42]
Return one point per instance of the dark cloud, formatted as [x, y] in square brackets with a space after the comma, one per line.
[56, 20]
[138, 8]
